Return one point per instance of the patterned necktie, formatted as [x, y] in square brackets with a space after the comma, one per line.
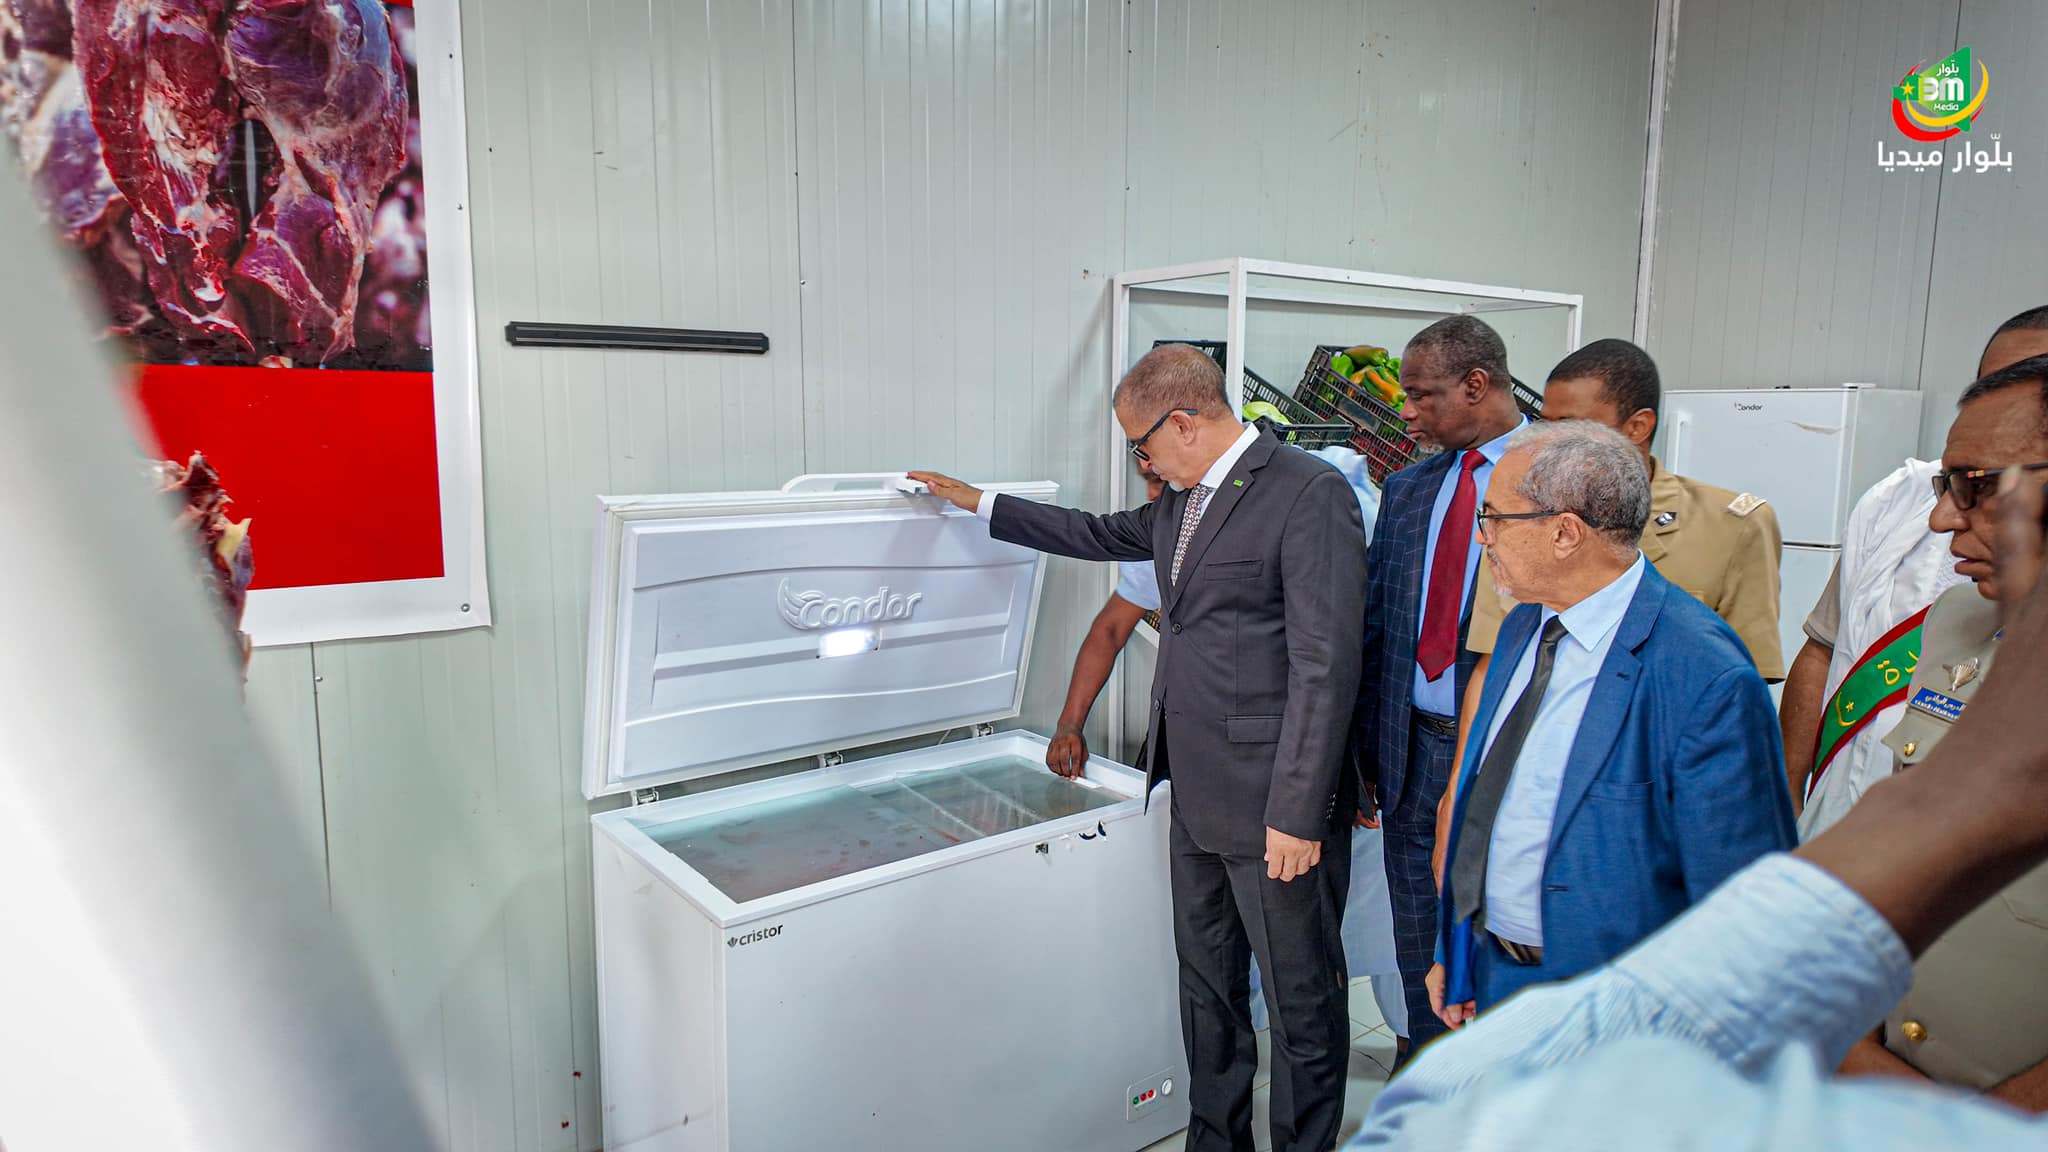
[1438, 648]
[1482, 805]
[1191, 515]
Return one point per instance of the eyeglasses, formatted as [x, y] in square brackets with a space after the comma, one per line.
[1138, 446]
[1969, 486]
[1483, 522]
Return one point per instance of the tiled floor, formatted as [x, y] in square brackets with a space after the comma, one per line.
[1372, 1054]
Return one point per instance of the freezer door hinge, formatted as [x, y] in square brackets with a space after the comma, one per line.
[831, 759]
[984, 730]
[645, 796]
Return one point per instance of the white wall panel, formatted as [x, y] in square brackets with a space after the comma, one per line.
[1991, 234]
[1495, 143]
[633, 163]
[279, 694]
[1785, 255]
[961, 191]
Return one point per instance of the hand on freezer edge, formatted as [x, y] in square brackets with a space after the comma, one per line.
[1068, 753]
[963, 496]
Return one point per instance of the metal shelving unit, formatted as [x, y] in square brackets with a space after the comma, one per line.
[1326, 300]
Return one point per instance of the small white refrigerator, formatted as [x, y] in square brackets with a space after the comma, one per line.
[1811, 452]
[942, 948]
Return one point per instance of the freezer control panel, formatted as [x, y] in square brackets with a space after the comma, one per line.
[1144, 1097]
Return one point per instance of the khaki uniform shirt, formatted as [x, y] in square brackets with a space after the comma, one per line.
[1720, 547]
[1824, 623]
[1978, 1012]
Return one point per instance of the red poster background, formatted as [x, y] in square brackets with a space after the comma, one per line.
[335, 469]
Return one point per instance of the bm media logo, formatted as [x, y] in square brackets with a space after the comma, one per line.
[1933, 104]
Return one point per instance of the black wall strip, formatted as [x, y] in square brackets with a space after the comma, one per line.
[528, 334]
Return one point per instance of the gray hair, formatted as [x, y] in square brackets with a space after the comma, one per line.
[1586, 469]
[1172, 377]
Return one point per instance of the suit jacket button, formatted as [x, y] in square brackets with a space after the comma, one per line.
[1176, 629]
[1914, 1031]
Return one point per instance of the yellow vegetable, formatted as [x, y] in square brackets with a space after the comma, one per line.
[1387, 389]
[1260, 409]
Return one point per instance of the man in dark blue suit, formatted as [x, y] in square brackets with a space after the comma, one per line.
[1418, 597]
[1625, 756]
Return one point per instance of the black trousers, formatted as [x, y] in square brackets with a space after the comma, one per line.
[1409, 833]
[1225, 911]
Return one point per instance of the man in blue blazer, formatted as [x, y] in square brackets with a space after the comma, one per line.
[1625, 758]
[1418, 600]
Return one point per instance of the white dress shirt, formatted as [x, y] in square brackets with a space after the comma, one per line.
[1521, 831]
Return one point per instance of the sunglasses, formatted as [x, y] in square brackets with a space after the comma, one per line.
[1138, 446]
[1969, 486]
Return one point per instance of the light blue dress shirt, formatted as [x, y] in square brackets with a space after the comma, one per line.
[1521, 832]
[1720, 1031]
[1137, 583]
[1439, 697]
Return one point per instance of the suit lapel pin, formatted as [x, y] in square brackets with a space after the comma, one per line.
[1239, 483]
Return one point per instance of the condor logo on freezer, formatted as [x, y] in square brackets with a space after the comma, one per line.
[809, 611]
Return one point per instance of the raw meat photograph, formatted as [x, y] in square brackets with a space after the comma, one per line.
[241, 178]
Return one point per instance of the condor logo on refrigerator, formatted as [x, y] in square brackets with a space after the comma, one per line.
[812, 610]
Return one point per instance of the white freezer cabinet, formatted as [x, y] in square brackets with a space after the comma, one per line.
[939, 949]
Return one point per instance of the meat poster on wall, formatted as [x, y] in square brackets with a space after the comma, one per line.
[267, 199]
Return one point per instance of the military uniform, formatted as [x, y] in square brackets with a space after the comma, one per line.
[1978, 1013]
[1719, 546]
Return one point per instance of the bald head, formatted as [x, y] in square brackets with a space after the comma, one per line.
[1174, 377]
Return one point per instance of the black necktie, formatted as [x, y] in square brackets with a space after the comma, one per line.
[1475, 833]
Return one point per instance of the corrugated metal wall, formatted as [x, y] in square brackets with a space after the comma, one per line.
[1499, 143]
[1785, 255]
[921, 202]
[1991, 233]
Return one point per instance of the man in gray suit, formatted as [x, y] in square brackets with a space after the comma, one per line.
[1260, 555]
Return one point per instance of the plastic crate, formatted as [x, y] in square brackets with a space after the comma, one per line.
[1303, 429]
[1527, 399]
[1381, 436]
[1217, 350]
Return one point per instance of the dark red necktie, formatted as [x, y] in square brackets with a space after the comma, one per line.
[1439, 646]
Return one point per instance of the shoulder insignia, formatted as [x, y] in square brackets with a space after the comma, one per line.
[1744, 504]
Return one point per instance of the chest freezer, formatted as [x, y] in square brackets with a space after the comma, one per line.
[943, 948]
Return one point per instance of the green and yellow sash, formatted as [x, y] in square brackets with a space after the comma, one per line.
[1877, 681]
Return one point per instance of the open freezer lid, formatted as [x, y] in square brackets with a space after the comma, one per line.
[731, 630]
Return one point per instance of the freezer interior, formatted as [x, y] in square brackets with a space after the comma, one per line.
[779, 845]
